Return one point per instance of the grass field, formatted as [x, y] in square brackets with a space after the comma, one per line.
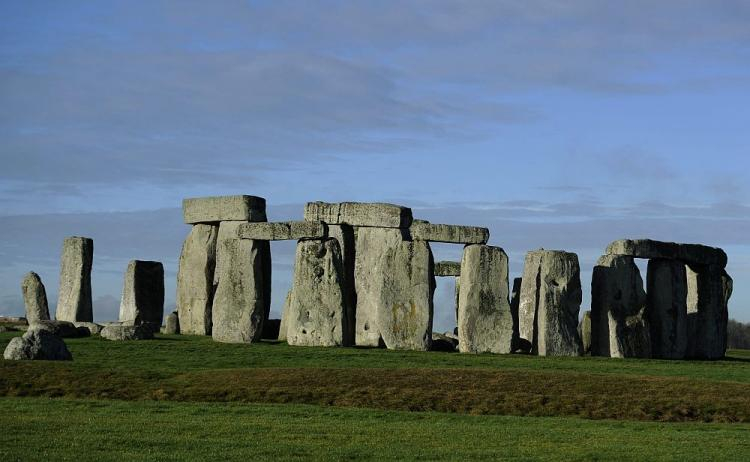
[181, 395]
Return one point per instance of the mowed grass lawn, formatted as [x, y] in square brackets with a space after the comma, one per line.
[182, 397]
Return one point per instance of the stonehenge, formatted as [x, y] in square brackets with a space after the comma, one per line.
[34, 298]
[37, 344]
[74, 294]
[143, 294]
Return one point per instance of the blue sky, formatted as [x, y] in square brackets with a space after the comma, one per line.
[556, 124]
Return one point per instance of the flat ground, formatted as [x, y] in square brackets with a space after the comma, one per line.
[183, 397]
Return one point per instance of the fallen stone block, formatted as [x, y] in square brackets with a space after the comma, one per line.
[143, 293]
[88, 328]
[195, 280]
[283, 231]
[687, 253]
[34, 298]
[709, 290]
[74, 294]
[451, 234]
[172, 324]
[65, 329]
[124, 332]
[666, 308]
[485, 323]
[359, 214]
[37, 344]
[223, 208]
[442, 342]
[448, 268]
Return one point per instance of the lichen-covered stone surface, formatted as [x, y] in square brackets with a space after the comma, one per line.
[37, 344]
[283, 231]
[485, 322]
[195, 280]
[687, 253]
[124, 332]
[448, 268]
[395, 285]
[223, 208]
[359, 214]
[666, 308]
[317, 315]
[143, 293]
[74, 294]
[451, 234]
[709, 290]
[34, 298]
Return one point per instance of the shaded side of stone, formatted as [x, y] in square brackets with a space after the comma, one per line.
[666, 308]
[74, 294]
[560, 298]
[529, 301]
[142, 299]
[223, 208]
[172, 324]
[34, 298]
[515, 299]
[37, 344]
[346, 237]
[709, 290]
[195, 279]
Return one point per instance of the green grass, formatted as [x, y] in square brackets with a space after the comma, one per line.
[81, 430]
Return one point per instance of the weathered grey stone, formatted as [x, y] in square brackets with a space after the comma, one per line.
[271, 328]
[195, 276]
[485, 323]
[34, 298]
[359, 214]
[688, 253]
[223, 208]
[452, 234]
[515, 299]
[584, 332]
[65, 329]
[37, 344]
[285, 317]
[125, 332]
[442, 342]
[143, 293]
[283, 231]
[457, 297]
[345, 235]
[239, 307]
[550, 302]
[172, 325]
[709, 289]
[666, 308]
[91, 327]
[618, 326]
[318, 311]
[395, 285]
[74, 295]
[448, 268]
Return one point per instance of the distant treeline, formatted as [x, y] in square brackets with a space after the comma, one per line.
[738, 335]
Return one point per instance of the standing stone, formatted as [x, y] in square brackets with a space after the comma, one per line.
[74, 295]
[457, 296]
[172, 325]
[143, 294]
[515, 299]
[666, 308]
[195, 276]
[485, 322]
[318, 313]
[395, 283]
[34, 298]
[584, 331]
[709, 290]
[550, 302]
[239, 306]
[618, 325]
[346, 237]
[285, 317]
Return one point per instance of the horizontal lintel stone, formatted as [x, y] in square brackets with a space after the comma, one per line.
[687, 253]
[448, 268]
[223, 208]
[283, 231]
[451, 234]
[359, 214]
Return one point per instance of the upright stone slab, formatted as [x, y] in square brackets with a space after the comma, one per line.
[172, 324]
[34, 298]
[666, 308]
[550, 302]
[346, 237]
[359, 214]
[395, 283]
[74, 295]
[485, 322]
[584, 331]
[223, 208]
[239, 308]
[318, 313]
[451, 234]
[195, 277]
[143, 294]
[618, 325]
[709, 289]
[285, 316]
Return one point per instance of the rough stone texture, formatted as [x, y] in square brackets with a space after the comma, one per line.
[285, 317]
[271, 328]
[515, 298]
[709, 289]
[550, 302]
[448, 268]
[359, 214]
[283, 231]
[34, 298]
[143, 293]
[37, 344]
[451, 234]
[239, 307]
[64, 329]
[584, 332]
[395, 285]
[688, 253]
[485, 323]
[442, 342]
[126, 332]
[223, 208]
[318, 313]
[666, 308]
[92, 328]
[345, 235]
[172, 325]
[618, 325]
[195, 276]
[74, 295]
